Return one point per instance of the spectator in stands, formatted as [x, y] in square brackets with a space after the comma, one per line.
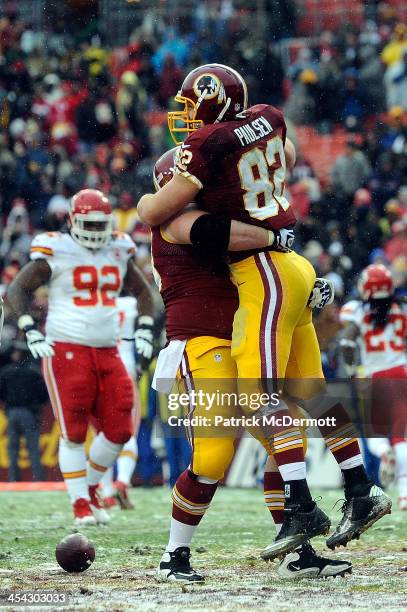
[395, 80]
[394, 50]
[351, 170]
[125, 214]
[397, 246]
[23, 392]
[131, 101]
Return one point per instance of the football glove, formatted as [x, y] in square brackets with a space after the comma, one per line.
[143, 339]
[322, 294]
[36, 342]
[283, 240]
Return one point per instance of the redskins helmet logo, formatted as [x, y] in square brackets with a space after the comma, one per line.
[207, 86]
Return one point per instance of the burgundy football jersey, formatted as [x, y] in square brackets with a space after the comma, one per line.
[239, 167]
[199, 298]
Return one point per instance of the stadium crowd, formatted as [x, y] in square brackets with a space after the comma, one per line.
[77, 113]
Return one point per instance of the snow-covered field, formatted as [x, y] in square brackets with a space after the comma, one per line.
[226, 550]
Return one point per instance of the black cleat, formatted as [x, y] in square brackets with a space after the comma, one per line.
[305, 563]
[175, 567]
[359, 513]
[298, 527]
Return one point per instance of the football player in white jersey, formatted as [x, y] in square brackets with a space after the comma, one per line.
[377, 324]
[85, 271]
[116, 493]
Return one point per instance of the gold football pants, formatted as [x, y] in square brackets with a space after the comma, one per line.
[273, 334]
[207, 365]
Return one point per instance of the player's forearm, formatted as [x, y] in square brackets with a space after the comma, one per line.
[137, 285]
[28, 280]
[147, 212]
[156, 209]
[18, 298]
[244, 237]
[347, 343]
[145, 302]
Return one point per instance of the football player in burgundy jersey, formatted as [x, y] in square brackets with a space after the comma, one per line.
[85, 270]
[200, 303]
[377, 324]
[233, 164]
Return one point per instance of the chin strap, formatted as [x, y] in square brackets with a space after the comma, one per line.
[223, 111]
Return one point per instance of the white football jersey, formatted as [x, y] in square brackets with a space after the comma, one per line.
[83, 289]
[128, 313]
[381, 348]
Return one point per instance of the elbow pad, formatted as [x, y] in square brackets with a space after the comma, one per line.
[211, 234]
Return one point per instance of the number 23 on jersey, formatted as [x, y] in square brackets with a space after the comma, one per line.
[86, 280]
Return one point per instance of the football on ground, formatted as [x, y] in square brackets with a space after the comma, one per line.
[75, 553]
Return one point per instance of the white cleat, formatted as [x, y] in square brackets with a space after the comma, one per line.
[83, 513]
[305, 563]
[99, 513]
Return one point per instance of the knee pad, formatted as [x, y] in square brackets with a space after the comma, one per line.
[211, 457]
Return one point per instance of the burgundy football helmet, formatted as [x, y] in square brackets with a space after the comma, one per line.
[209, 94]
[164, 168]
[375, 283]
[91, 218]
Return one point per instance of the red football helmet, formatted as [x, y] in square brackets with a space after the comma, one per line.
[210, 94]
[164, 168]
[91, 218]
[375, 283]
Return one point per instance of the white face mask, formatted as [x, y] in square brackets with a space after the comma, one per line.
[91, 237]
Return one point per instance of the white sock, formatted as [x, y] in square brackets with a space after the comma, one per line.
[107, 482]
[127, 461]
[293, 471]
[102, 455]
[278, 527]
[72, 463]
[206, 480]
[400, 451]
[180, 535]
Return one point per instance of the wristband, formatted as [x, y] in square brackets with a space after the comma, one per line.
[347, 343]
[25, 321]
[271, 237]
[145, 320]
